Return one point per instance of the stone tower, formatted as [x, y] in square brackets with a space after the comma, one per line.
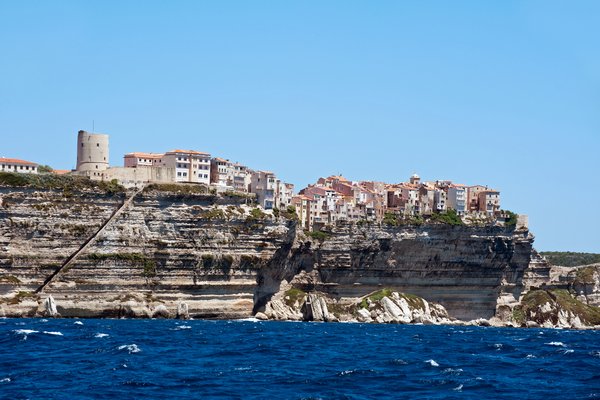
[92, 151]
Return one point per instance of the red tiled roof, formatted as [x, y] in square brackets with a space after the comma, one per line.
[144, 155]
[188, 152]
[16, 161]
[60, 171]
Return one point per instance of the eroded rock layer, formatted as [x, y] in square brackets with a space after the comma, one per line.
[167, 254]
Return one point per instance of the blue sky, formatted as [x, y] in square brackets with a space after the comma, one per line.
[500, 93]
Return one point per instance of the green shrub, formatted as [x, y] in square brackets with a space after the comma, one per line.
[390, 219]
[290, 213]
[319, 235]
[293, 296]
[450, 217]
[375, 297]
[512, 218]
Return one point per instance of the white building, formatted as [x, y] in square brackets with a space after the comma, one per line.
[16, 165]
[190, 165]
[457, 198]
[132, 160]
[263, 184]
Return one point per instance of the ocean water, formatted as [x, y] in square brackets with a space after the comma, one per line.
[170, 359]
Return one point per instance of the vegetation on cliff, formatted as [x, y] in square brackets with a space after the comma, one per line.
[570, 259]
[548, 305]
[67, 183]
[138, 259]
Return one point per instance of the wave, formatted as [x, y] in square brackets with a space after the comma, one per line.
[433, 363]
[25, 331]
[5, 380]
[184, 327]
[131, 348]
[529, 356]
[558, 344]
[458, 388]
[101, 335]
[77, 323]
[53, 333]
[251, 319]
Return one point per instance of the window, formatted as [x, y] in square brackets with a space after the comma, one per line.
[179, 174]
[97, 144]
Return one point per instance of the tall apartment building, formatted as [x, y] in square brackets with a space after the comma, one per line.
[190, 166]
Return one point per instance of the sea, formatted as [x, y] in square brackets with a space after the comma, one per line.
[251, 359]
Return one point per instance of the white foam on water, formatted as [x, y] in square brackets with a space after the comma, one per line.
[529, 356]
[101, 335]
[251, 319]
[53, 333]
[77, 323]
[131, 348]
[433, 363]
[568, 351]
[43, 320]
[183, 327]
[458, 388]
[5, 380]
[498, 346]
[25, 331]
[558, 344]
[595, 353]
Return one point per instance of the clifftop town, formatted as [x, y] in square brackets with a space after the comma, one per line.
[328, 201]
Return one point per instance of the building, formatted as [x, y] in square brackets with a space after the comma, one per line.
[457, 198]
[132, 160]
[190, 165]
[92, 151]
[283, 194]
[263, 184]
[221, 172]
[473, 197]
[241, 178]
[16, 165]
[489, 201]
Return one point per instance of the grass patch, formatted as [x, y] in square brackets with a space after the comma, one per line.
[213, 213]
[136, 259]
[10, 279]
[183, 188]
[293, 296]
[67, 183]
[559, 299]
[585, 276]
[375, 297]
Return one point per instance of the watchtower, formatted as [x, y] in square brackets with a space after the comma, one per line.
[92, 151]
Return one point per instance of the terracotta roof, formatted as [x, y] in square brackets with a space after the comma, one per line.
[60, 171]
[16, 161]
[188, 152]
[144, 155]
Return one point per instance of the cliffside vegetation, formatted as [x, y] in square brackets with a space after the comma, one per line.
[547, 305]
[570, 259]
[67, 183]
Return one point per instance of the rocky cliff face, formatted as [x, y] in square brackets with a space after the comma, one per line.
[167, 254]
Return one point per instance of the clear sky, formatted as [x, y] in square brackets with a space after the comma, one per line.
[503, 93]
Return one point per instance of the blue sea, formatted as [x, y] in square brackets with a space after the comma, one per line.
[171, 359]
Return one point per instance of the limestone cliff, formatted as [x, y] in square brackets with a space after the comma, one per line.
[175, 251]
